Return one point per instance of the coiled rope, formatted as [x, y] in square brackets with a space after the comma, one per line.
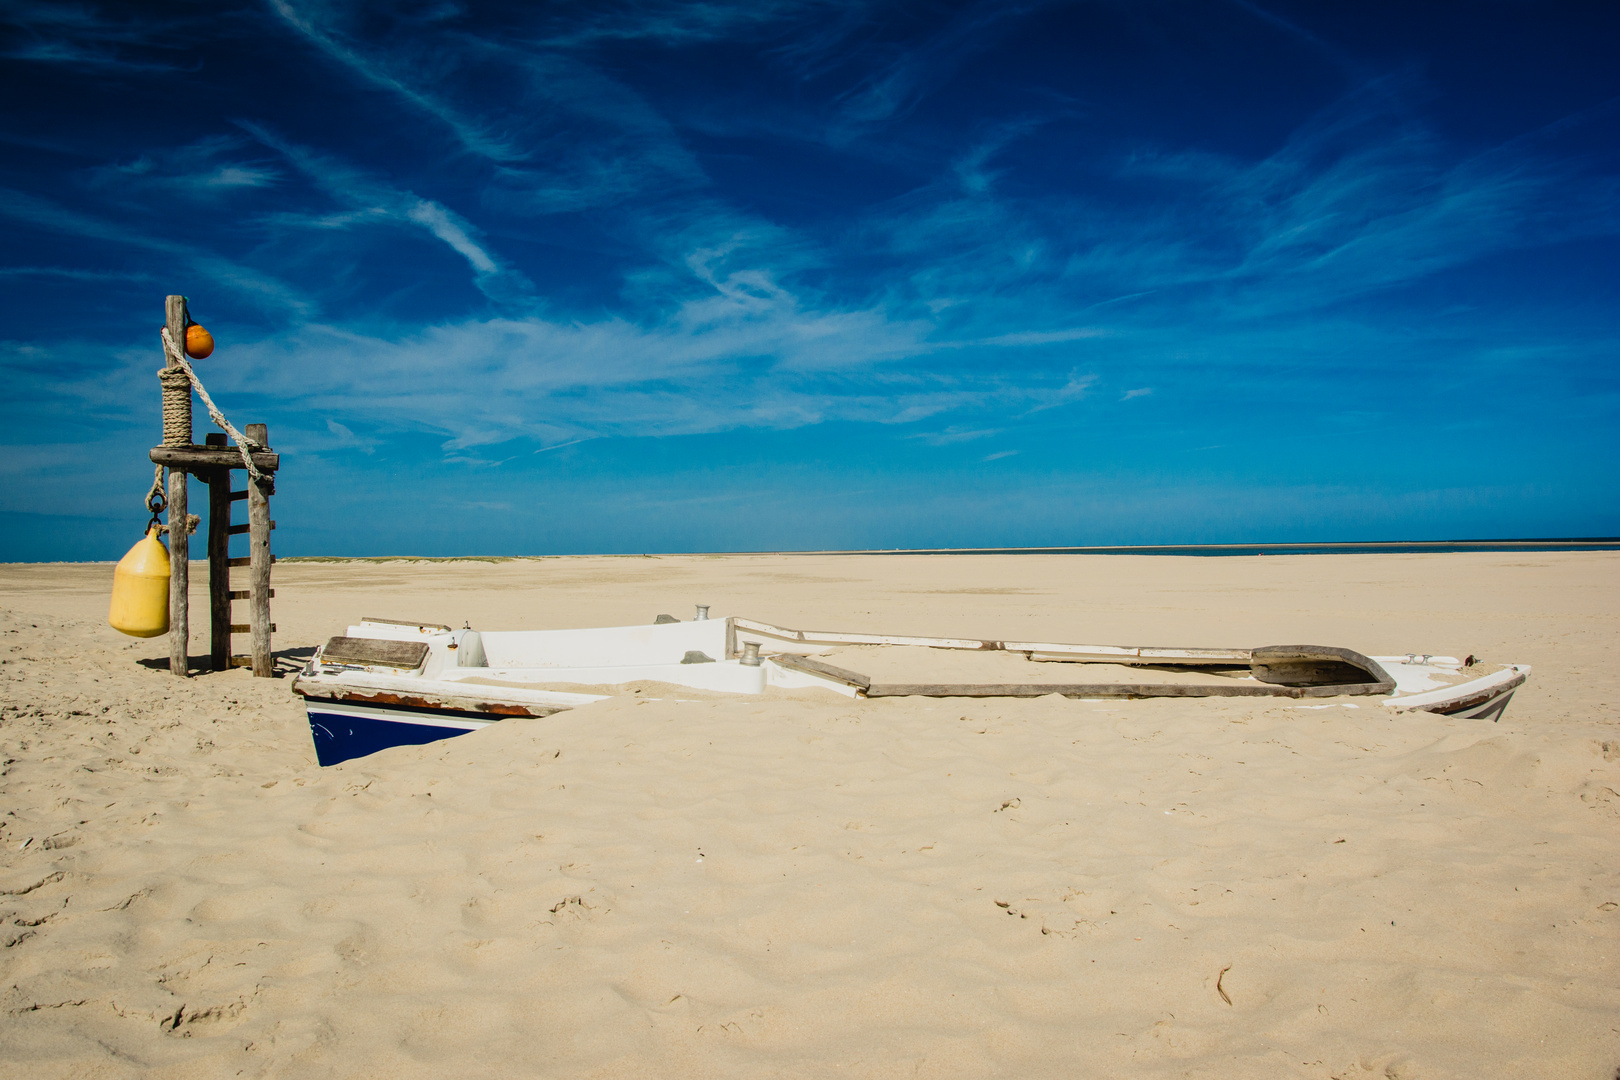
[176, 406]
[170, 376]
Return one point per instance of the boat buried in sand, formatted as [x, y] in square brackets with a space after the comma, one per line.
[389, 683]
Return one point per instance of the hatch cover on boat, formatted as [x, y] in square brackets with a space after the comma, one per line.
[372, 651]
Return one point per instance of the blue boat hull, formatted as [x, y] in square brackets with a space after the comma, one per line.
[343, 731]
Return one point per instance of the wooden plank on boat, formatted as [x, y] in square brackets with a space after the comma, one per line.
[1121, 654]
[1045, 652]
[794, 662]
[1187, 656]
[824, 637]
[1053, 652]
[404, 622]
[1077, 690]
[375, 652]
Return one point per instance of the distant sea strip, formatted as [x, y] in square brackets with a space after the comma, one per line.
[1355, 547]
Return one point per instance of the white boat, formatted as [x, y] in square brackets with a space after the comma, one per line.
[389, 683]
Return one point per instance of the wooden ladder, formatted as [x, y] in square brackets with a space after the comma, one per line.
[257, 562]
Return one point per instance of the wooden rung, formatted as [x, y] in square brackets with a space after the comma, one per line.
[247, 594]
[246, 560]
[238, 530]
[241, 661]
[244, 628]
[235, 496]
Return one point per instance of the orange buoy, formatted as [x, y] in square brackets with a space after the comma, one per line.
[140, 596]
[199, 342]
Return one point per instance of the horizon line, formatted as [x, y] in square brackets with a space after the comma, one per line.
[1308, 547]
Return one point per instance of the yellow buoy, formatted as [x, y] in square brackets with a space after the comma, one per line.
[140, 596]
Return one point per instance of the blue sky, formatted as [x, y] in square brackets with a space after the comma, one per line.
[603, 277]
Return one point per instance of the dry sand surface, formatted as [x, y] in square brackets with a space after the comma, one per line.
[809, 886]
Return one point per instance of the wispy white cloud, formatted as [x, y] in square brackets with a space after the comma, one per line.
[211, 168]
[60, 32]
[898, 86]
[973, 168]
[563, 445]
[1043, 337]
[447, 227]
[313, 22]
[952, 435]
[1075, 387]
[68, 273]
[751, 356]
[595, 141]
[1362, 198]
[78, 54]
[347, 439]
[371, 201]
[261, 289]
[1317, 44]
[684, 22]
[562, 133]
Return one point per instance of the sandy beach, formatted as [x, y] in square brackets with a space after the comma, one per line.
[813, 886]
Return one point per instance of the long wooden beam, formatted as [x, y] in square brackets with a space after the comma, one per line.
[1111, 690]
[1037, 650]
[198, 458]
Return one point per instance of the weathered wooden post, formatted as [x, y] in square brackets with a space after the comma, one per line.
[177, 433]
[259, 559]
[214, 462]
